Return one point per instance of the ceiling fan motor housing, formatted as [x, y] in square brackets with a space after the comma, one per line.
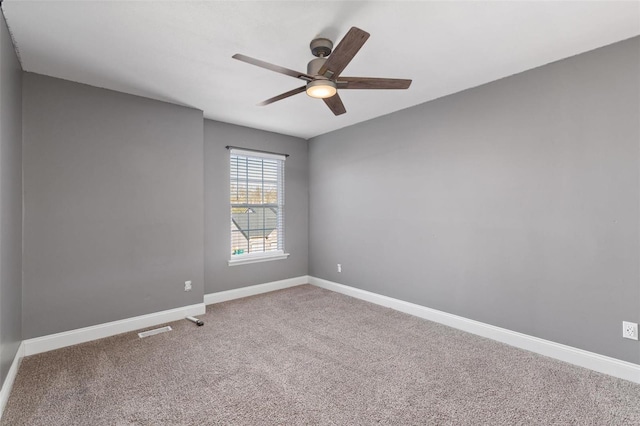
[321, 47]
[314, 66]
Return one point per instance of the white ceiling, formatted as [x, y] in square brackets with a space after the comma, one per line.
[181, 51]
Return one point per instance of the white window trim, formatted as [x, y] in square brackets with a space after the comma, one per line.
[248, 258]
[258, 257]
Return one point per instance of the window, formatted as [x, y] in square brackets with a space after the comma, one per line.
[257, 206]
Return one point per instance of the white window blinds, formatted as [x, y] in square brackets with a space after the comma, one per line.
[257, 203]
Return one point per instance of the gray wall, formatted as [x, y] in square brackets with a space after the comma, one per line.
[10, 201]
[113, 199]
[218, 275]
[515, 203]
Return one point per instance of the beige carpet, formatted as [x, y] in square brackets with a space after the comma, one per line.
[309, 356]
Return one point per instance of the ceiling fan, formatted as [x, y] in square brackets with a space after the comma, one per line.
[323, 79]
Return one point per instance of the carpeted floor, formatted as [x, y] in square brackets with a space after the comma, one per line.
[310, 356]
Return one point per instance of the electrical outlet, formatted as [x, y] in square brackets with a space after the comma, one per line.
[630, 330]
[187, 286]
[339, 267]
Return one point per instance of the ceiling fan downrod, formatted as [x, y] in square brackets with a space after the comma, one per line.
[321, 48]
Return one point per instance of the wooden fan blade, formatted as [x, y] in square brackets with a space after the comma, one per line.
[335, 104]
[372, 83]
[344, 53]
[283, 96]
[276, 68]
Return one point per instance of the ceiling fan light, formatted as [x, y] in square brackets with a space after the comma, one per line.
[321, 89]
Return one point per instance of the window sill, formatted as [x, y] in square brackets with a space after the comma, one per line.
[246, 259]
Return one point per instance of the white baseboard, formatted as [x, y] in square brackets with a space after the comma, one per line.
[73, 337]
[81, 335]
[11, 377]
[238, 293]
[601, 363]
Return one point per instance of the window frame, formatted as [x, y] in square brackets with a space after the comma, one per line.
[263, 256]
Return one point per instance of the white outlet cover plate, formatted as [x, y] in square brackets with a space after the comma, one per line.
[630, 330]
